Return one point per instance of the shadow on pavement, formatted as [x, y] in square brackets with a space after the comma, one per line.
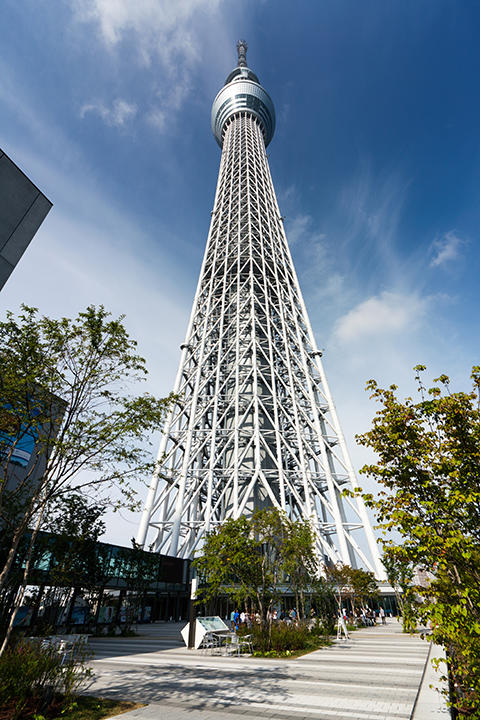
[195, 688]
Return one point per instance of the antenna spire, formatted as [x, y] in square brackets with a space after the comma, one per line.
[242, 53]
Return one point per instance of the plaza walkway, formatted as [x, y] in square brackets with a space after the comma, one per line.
[376, 674]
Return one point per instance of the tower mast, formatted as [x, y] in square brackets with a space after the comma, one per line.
[254, 424]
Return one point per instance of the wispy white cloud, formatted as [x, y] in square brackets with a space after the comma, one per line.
[319, 275]
[163, 29]
[299, 229]
[446, 249]
[383, 337]
[118, 114]
[168, 100]
[285, 194]
[157, 118]
[384, 314]
[92, 249]
[357, 251]
[371, 207]
[163, 35]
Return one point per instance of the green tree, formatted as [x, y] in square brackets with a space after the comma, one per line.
[231, 564]
[76, 562]
[429, 466]
[338, 578]
[270, 530]
[138, 569]
[354, 584]
[65, 390]
[250, 558]
[322, 599]
[400, 574]
[299, 560]
[363, 587]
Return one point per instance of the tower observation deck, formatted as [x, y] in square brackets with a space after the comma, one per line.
[254, 424]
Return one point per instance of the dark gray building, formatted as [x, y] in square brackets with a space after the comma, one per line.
[23, 208]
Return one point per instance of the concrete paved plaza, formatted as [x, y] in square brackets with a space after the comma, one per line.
[376, 674]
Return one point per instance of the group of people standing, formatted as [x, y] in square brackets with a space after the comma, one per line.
[237, 618]
[366, 616]
[243, 618]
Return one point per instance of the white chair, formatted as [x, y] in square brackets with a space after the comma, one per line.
[235, 644]
[232, 644]
[246, 641]
[210, 642]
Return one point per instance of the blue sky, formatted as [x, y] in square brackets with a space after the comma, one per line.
[105, 104]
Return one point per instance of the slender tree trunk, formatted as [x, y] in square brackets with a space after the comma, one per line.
[119, 608]
[71, 607]
[302, 603]
[60, 598]
[36, 606]
[23, 587]
[99, 606]
[19, 532]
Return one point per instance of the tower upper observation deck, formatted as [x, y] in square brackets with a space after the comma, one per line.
[242, 92]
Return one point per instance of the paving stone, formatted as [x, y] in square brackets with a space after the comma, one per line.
[376, 674]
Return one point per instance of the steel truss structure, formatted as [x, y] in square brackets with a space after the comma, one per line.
[255, 424]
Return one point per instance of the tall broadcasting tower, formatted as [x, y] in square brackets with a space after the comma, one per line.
[254, 425]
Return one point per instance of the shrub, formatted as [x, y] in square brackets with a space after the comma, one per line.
[34, 678]
[286, 638]
[322, 627]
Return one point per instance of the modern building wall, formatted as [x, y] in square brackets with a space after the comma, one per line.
[23, 208]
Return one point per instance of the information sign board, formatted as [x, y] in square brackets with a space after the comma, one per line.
[204, 625]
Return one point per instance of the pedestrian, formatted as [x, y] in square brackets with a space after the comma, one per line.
[236, 618]
[381, 612]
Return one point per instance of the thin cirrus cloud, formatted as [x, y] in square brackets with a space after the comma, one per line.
[370, 207]
[168, 37]
[446, 249]
[168, 102]
[163, 31]
[385, 314]
[299, 229]
[118, 114]
[158, 118]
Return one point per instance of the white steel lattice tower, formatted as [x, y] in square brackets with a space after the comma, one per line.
[255, 424]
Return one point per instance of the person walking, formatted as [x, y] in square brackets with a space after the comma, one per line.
[236, 618]
[342, 627]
